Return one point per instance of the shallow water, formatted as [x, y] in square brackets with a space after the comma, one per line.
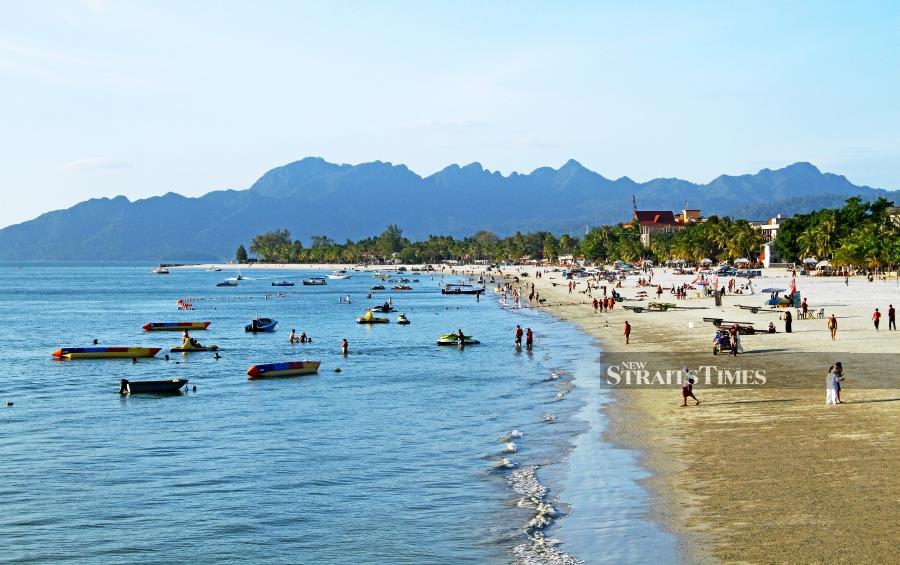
[397, 458]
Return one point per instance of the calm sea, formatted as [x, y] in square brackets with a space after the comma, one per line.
[412, 453]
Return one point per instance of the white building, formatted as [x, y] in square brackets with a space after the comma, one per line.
[769, 229]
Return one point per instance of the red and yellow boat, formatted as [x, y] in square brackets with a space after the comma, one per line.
[68, 353]
[175, 326]
[286, 369]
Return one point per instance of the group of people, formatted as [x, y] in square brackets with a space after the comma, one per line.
[302, 338]
[604, 304]
[529, 337]
[892, 318]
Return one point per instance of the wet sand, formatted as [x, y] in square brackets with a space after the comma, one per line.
[769, 473]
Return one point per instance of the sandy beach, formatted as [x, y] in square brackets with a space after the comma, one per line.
[762, 474]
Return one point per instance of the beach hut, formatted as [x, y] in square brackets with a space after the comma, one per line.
[823, 264]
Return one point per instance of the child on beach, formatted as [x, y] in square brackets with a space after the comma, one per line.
[687, 388]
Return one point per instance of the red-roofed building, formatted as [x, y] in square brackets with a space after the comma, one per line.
[653, 222]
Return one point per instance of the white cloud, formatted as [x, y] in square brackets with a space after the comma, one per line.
[97, 164]
[448, 124]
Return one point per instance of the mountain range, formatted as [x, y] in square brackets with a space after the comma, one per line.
[314, 197]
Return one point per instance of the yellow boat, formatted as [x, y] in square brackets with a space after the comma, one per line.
[69, 353]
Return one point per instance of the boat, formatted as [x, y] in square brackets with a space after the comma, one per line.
[227, 283]
[315, 281]
[401, 287]
[151, 387]
[283, 283]
[180, 349]
[458, 288]
[175, 326]
[214, 268]
[453, 339]
[402, 320]
[369, 318]
[68, 353]
[286, 369]
[384, 308]
[261, 325]
[377, 287]
[160, 271]
[339, 275]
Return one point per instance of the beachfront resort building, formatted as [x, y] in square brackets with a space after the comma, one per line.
[769, 229]
[662, 222]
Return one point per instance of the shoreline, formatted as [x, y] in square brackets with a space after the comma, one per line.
[724, 474]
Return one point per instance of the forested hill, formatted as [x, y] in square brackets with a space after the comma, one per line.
[314, 197]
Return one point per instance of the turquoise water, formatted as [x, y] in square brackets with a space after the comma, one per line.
[402, 457]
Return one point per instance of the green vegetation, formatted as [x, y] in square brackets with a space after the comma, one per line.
[860, 234]
[241, 254]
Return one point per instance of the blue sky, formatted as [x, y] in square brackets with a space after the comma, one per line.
[100, 98]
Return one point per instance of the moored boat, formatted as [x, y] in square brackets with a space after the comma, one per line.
[69, 353]
[339, 275]
[369, 318]
[175, 326]
[283, 283]
[160, 271]
[227, 283]
[286, 369]
[401, 287]
[261, 325]
[378, 287]
[457, 288]
[315, 281]
[151, 387]
[402, 320]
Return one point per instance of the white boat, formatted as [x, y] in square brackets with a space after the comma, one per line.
[314, 281]
[339, 275]
[160, 271]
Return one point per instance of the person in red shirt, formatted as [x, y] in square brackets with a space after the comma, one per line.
[876, 318]
[519, 333]
[529, 339]
[892, 317]
[627, 332]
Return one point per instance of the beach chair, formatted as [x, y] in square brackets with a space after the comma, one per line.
[821, 314]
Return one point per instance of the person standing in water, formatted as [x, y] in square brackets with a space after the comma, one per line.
[529, 339]
[519, 333]
[627, 332]
[344, 347]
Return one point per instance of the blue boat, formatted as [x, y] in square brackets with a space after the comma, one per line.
[261, 325]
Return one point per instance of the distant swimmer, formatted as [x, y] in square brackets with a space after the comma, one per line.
[344, 347]
[293, 337]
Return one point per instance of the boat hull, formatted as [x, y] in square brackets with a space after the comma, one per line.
[373, 321]
[152, 387]
[175, 326]
[69, 353]
[455, 342]
[460, 291]
[193, 349]
[286, 369]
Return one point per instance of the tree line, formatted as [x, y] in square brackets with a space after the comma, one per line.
[860, 233]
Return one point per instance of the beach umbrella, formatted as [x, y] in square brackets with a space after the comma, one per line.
[771, 290]
[821, 264]
[706, 261]
[679, 261]
[742, 260]
[810, 261]
[703, 283]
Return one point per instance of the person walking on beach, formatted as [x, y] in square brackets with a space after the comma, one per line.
[833, 385]
[529, 339]
[892, 317]
[839, 373]
[876, 318]
[518, 336]
[832, 327]
[627, 332]
[687, 388]
[787, 321]
[804, 307]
